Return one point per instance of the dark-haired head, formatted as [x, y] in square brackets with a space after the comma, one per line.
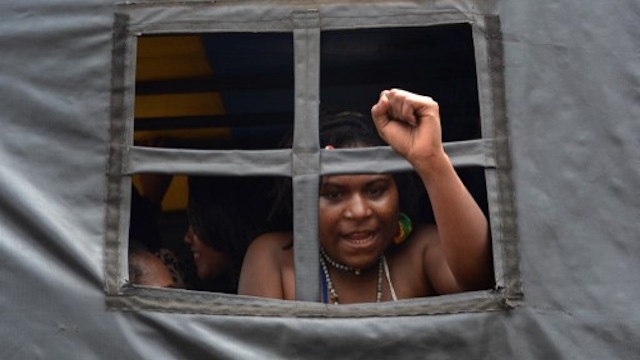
[226, 212]
[347, 129]
[355, 130]
[225, 215]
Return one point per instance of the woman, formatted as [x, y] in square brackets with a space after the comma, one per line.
[368, 251]
[221, 225]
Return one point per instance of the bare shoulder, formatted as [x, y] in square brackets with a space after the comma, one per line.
[264, 265]
[269, 249]
[423, 236]
[271, 242]
[427, 239]
[434, 265]
[423, 239]
[407, 262]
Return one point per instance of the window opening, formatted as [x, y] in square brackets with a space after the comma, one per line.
[237, 93]
[437, 61]
[199, 227]
[214, 91]
[208, 91]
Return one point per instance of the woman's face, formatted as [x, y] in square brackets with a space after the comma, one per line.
[358, 217]
[210, 263]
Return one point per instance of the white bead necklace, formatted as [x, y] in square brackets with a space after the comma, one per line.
[333, 294]
[337, 265]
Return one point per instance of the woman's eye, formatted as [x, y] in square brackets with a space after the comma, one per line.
[331, 194]
[375, 191]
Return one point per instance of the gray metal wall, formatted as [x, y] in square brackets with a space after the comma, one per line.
[572, 78]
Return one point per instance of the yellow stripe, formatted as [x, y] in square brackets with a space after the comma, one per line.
[176, 198]
[204, 133]
[167, 105]
[171, 57]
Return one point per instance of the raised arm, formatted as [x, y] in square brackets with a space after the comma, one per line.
[461, 258]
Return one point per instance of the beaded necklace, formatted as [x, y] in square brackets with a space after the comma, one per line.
[337, 265]
[333, 295]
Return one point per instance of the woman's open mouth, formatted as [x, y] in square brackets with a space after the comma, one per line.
[360, 238]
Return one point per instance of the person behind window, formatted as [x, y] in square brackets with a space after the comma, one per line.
[224, 214]
[145, 268]
[369, 250]
[144, 233]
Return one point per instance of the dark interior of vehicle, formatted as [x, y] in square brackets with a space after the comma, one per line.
[236, 91]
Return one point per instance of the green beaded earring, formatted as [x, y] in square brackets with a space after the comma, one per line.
[404, 229]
